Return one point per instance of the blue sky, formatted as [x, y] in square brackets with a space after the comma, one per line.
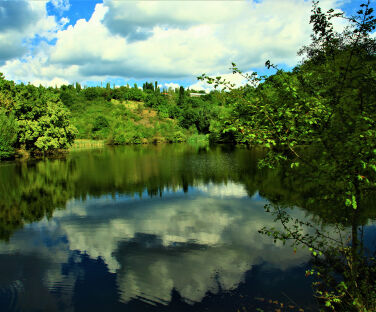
[62, 41]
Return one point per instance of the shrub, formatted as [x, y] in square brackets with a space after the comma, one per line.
[100, 123]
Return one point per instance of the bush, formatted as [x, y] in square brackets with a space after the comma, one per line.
[125, 133]
[100, 123]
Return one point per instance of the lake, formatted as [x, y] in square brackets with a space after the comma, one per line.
[147, 228]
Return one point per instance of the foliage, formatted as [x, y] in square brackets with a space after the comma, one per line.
[100, 123]
[328, 104]
[199, 139]
[8, 134]
[42, 120]
[108, 114]
[115, 115]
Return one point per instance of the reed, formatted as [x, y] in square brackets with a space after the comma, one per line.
[87, 144]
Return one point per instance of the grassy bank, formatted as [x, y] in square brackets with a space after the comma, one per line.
[123, 122]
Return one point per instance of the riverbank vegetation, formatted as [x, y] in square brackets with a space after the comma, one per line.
[45, 120]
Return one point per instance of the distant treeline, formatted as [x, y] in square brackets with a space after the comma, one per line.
[44, 120]
[126, 115]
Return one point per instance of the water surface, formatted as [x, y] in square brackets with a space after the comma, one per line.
[146, 228]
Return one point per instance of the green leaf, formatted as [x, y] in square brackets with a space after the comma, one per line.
[354, 204]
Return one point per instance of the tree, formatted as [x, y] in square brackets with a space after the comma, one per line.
[91, 93]
[327, 102]
[78, 87]
[181, 96]
[8, 134]
[33, 118]
[148, 86]
[321, 118]
[43, 122]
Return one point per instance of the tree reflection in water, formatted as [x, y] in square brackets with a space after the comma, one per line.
[343, 258]
[87, 198]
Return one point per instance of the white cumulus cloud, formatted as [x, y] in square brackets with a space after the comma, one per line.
[166, 39]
